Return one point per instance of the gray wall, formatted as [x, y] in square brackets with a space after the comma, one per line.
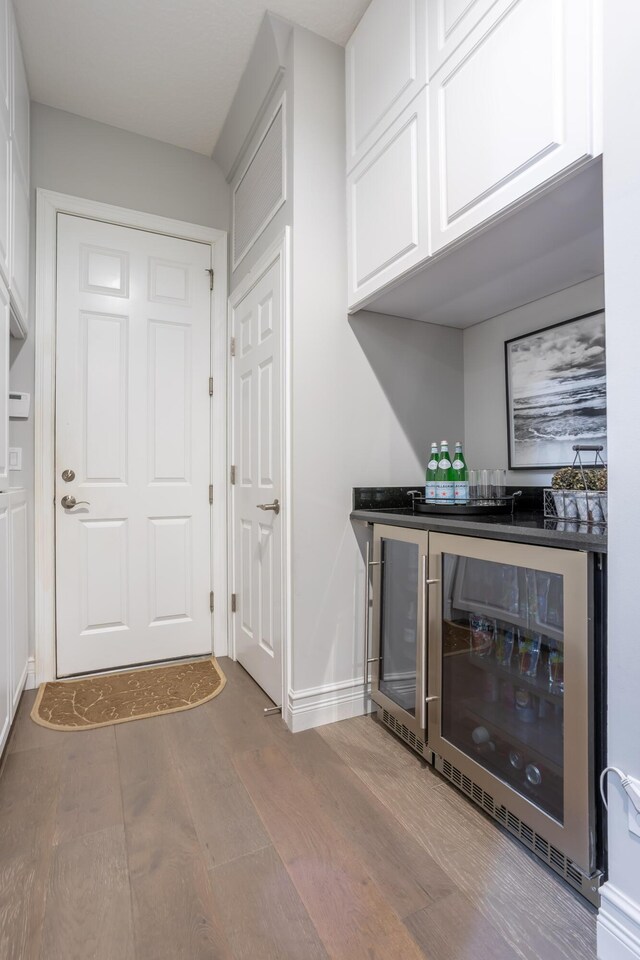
[367, 394]
[95, 161]
[485, 404]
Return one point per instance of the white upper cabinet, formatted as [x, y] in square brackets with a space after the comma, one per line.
[387, 197]
[510, 111]
[19, 278]
[5, 138]
[19, 102]
[14, 171]
[449, 22]
[511, 90]
[386, 66]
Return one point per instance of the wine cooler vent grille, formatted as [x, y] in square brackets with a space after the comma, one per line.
[587, 885]
[409, 737]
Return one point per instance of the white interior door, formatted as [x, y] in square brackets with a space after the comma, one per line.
[133, 425]
[256, 321]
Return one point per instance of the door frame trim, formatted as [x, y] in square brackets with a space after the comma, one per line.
[279, 250]
[48, 205]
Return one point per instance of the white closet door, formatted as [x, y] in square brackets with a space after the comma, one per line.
[133, 424]
[5, 623]
[257, 532]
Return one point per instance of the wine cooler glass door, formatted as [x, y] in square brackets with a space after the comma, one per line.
[511, 662]
[398, 676]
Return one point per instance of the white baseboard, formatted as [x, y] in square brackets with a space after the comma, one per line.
[30, 683]
[327, 704]
[618, 925]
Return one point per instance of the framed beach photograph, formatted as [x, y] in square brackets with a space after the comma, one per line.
[556, 392]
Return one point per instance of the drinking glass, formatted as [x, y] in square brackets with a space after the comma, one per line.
[473, 484]
[499, 483]
[484, 484]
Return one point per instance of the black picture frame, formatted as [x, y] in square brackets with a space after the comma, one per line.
[565, 361]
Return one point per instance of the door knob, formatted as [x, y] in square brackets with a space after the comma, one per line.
[275, 506]
[68, 502]
[68, 475]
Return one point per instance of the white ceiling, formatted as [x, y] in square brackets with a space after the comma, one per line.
[166, 69]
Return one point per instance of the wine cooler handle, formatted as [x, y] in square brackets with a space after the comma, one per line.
[426, 583]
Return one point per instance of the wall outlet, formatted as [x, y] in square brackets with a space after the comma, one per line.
[15, 458]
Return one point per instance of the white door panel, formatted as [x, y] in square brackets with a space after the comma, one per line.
[132, 422]
[257, 533]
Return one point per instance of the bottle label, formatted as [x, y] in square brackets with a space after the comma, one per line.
[461, 491]
[445, 490]
[459, 464]
[431, 491]
[432, 465]
[444, 464]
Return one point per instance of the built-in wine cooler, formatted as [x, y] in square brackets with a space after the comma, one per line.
[483, 660]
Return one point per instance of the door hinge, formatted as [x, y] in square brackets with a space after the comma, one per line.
[210, 272]
[234, 602]
[210, 493]
[232, 478]
[211, 601]
[210, 386]
[233, 346]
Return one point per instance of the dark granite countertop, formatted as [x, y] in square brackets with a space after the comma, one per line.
[527, 525]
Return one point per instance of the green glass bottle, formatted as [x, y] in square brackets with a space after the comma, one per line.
[444, 476]
[460, 476]
[432, 469]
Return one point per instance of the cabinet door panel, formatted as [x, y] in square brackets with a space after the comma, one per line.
[449, 22]
[19, 102]
[5, 135]
[19, 601]
[387, 205]
[5, 695]
[509, 111]
[4, 387]
[19, 284]
[5, 46]
[386, 68]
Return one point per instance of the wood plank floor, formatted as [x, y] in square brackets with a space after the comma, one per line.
[215, 834]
